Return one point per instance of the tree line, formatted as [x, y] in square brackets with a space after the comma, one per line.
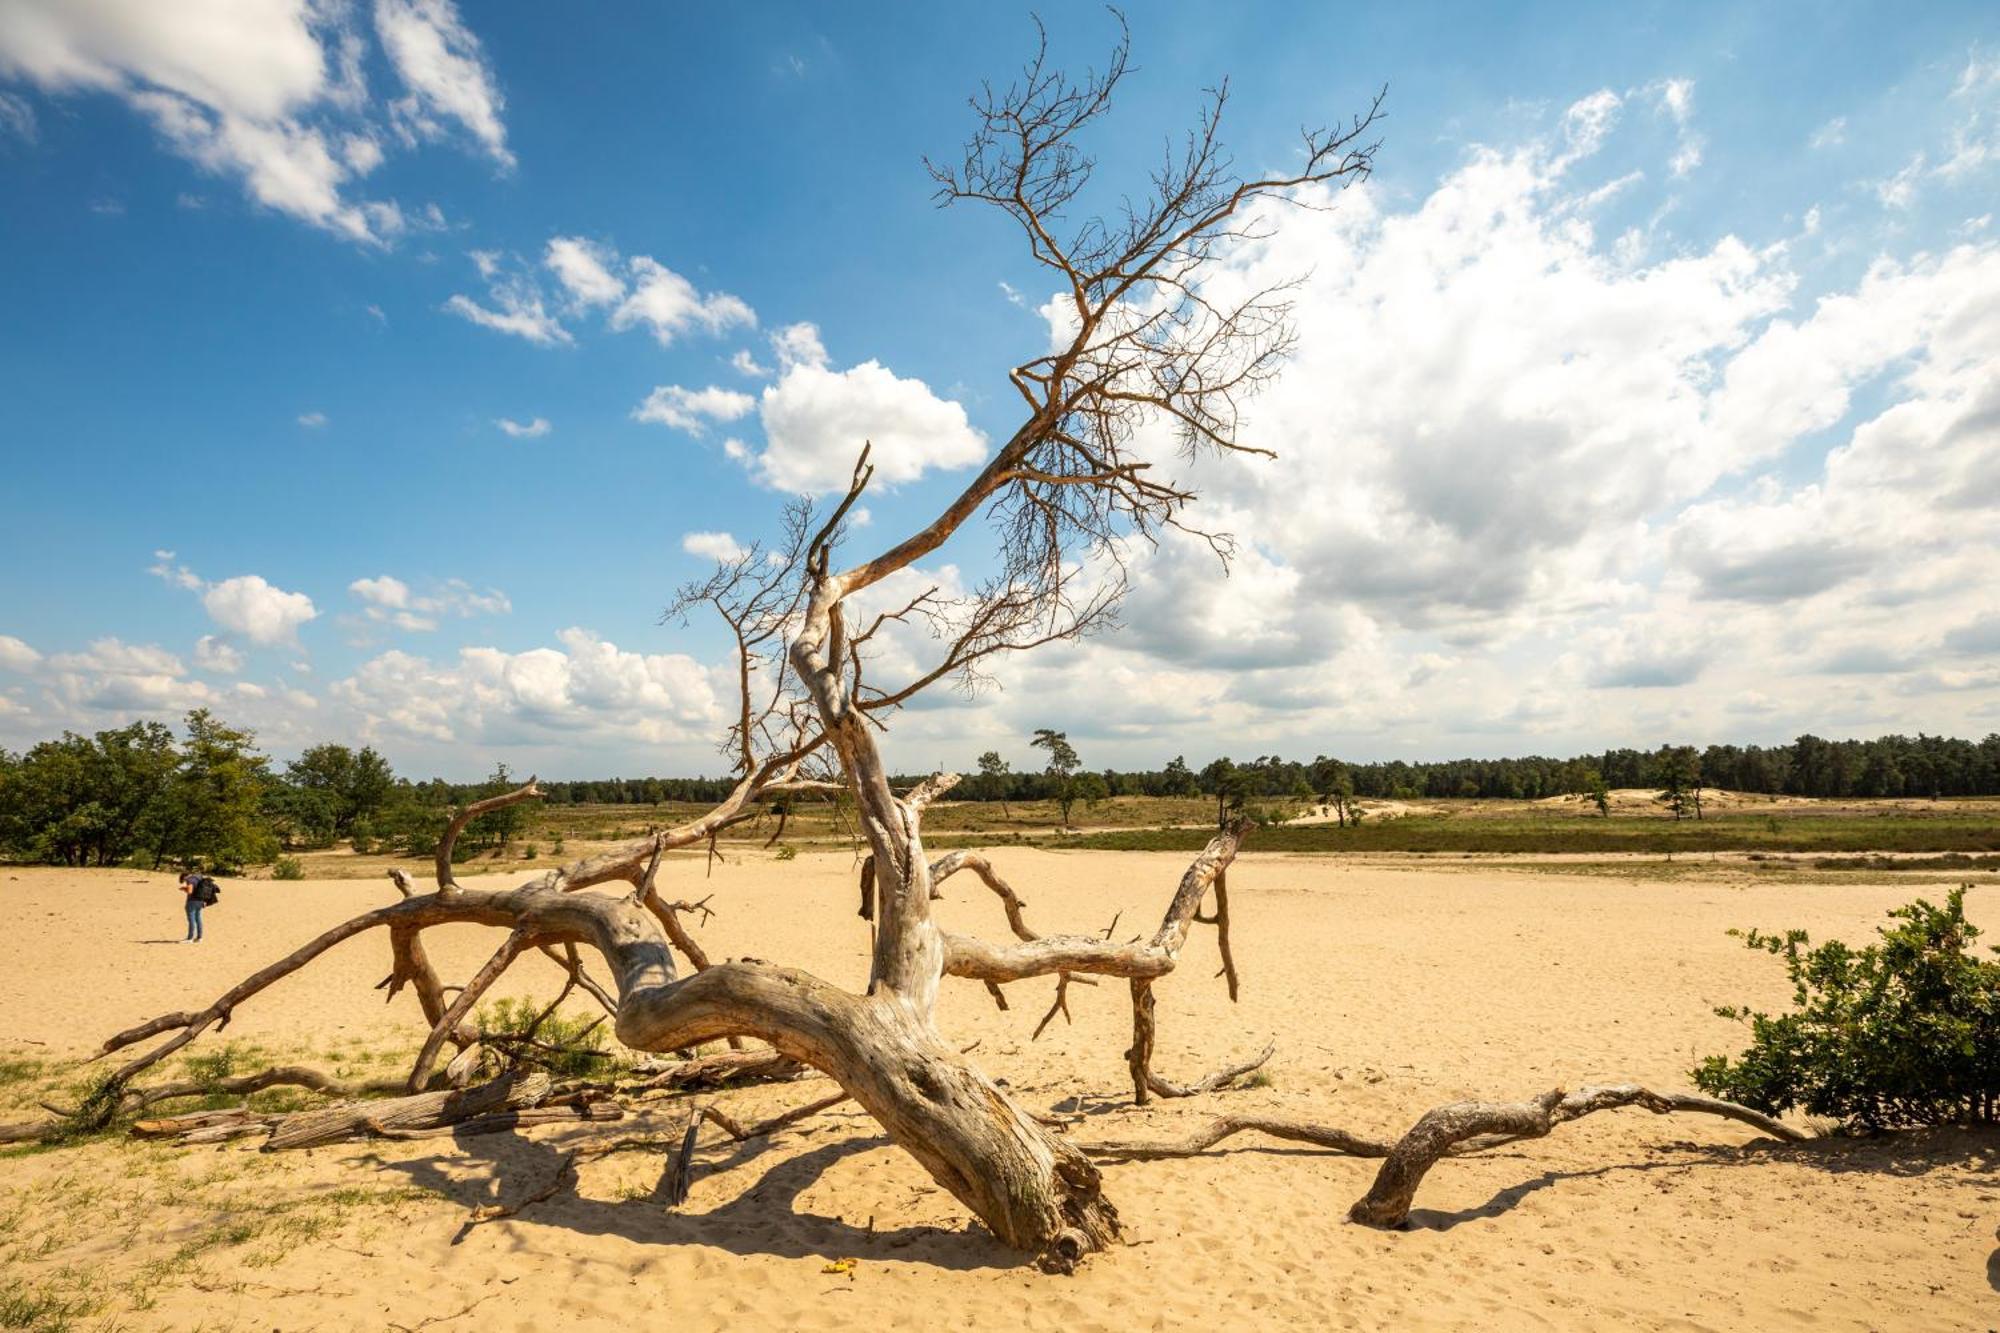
[208, 797]
[1922, 766]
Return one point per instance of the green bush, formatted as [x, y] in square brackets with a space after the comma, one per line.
[1904, 1032]
[566, 1046]
[786, 852]
[288, 867]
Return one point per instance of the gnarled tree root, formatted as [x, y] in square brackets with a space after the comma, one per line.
[1455, 1129]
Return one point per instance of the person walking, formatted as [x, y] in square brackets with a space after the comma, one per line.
[200, 891]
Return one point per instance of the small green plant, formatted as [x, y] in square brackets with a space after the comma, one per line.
[786, 852]
[557, 847]
[530, 852]
[288, 867]
[41, 1308]
[566, 1046]
[211, 1068]
[1904, 1032]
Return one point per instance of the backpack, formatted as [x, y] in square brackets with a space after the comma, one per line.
[206, 891]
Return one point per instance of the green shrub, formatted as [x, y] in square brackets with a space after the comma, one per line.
[1904, 1032]
[530, 852]
[566, 1046]
[288, 867]
[786, 852]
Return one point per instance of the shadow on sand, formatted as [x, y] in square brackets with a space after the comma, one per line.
[1908, 1153]
[763, 1219]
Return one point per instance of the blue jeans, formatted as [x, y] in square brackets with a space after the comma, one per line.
[194, 906]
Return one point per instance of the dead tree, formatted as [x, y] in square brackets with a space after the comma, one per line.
[1146, 343]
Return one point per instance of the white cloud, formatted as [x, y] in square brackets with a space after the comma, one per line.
[584, 269]
[669, 305]
[1830, 135]
[587, 690]
[268, 92]
[312, 420]
[691, 410]
[445, 72]
[798, 345]
[16, 655]
[117, 677]
[388, 600]
[816, 419]
[1587, 123]
[257, 610]
[587, 274]
[515, 307]
[712, 545]
[218, 655]
[524, 430]
[743, 363]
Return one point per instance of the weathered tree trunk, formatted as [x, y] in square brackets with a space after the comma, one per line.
[425, 1110]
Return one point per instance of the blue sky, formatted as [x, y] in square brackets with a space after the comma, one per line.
[1670, 422]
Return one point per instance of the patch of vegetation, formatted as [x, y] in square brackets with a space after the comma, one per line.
[1904, 1032]
[43, 1309]
[1954, 861]
[288, 867]
[568, 1046]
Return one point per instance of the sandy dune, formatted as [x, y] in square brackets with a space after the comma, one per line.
[1387, 987]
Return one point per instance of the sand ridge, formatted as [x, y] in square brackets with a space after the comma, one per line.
[1386, 988]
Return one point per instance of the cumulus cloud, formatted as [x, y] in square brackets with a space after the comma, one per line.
[268, 92]
[708, 545]
[258, 610]
[584, 269]
[217, 655]
[16, 655]
[636, 292]
[692, 410]
[816, 419]
[668, 305]
[588, 688]
[524, 430]
[115, 676]
[248, 605]
[388, 600]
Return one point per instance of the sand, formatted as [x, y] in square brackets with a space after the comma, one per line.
[1388, 986]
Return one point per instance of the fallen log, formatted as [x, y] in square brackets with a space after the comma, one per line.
[423, 1110]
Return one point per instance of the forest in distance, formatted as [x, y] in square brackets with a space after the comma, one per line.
[210, 797]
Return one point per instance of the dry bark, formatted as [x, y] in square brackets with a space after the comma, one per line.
[1473, 1126]
[424, 1110]
[1455, 1129]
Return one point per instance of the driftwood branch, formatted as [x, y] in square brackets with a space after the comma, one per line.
[1456, 1129]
